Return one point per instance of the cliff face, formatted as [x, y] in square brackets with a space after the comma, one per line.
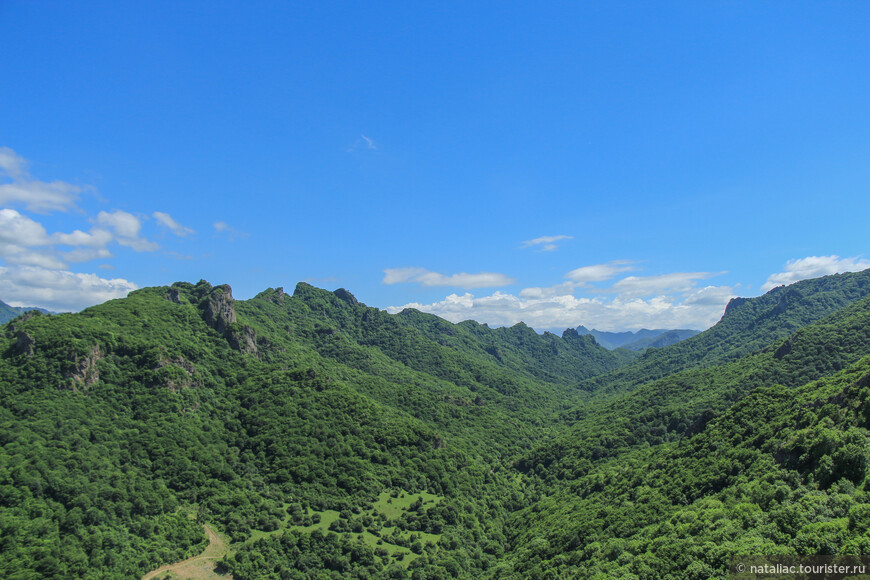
[218, 311]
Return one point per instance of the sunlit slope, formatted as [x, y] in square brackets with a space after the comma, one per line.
[748, 325]
[118, 422]
[782, 471]
[492, 384]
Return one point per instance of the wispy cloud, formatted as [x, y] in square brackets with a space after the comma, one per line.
[633, 286]
[127, 228]
[223, 228]
[599, 272]
[166, 220]
[546, 243]
[813, 267]
[35, 195]
[462, 280]
[363, 142]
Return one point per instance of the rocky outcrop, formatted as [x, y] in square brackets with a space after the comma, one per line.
[243, 339]
[570, 333]
[24, 343]
[179, 373]
[346, 296]
[219, 313]
[84, 371]
[174, 295]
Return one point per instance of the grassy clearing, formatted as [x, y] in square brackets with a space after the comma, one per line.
[393, 507]
[389, 542]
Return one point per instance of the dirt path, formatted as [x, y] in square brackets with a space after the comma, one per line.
[198, 567]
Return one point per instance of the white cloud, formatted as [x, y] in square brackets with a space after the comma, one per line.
[13, 254]
[547, 243]
[462, 280]
[125, 224]
[664, 301]
[97, 238]
[58, 290]
[165, 220]
[24, 241]
[36, 195]
[19, 229]
[814, 267]
[563, 289]
[715, 296]
[599, 272]
[86, 254]
[665, 283]
[399, 275]
[127, 228]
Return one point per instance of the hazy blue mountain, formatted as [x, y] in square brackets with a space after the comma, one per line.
[7, 312]
[639, 340]
[664, 339]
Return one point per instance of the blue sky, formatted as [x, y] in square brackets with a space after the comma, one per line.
[613, 164]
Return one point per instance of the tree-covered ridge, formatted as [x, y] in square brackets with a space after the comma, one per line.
[748, 325]
[544, 356]
[451, 378]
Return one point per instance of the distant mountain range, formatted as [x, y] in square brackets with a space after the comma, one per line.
[7, 312]
[643, 338]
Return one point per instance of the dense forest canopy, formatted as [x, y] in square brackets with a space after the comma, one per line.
[325, 438]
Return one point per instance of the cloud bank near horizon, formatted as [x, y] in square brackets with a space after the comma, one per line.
[672, 300]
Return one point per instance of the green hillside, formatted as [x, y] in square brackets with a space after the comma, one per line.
[329, 439]
[780, 472]
[667, 409]
[120, 420]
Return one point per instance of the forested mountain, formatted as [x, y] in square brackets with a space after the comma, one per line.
[325, 438]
